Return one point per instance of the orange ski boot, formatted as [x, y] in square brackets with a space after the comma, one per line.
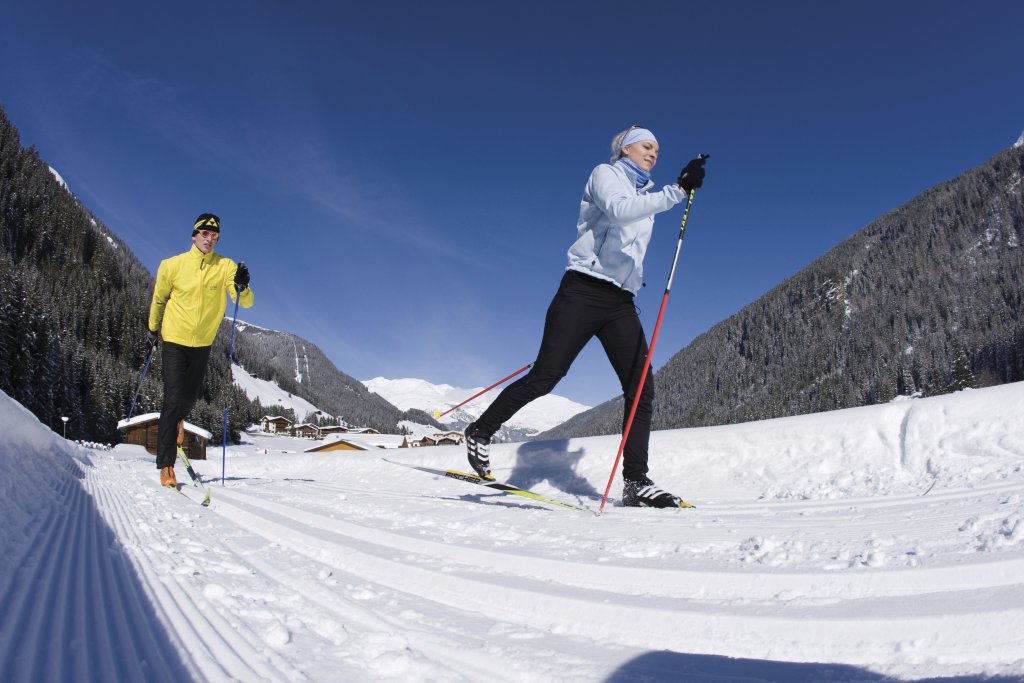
[167, 478]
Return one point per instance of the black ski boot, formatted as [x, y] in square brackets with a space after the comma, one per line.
[643, 493]
[478, 449]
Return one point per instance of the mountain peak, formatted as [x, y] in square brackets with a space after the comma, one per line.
[410, 393]
[1020, 141]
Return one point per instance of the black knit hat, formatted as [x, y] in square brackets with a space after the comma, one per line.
[207, 221]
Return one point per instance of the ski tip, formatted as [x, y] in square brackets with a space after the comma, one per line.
[206, 499]
[437, 414]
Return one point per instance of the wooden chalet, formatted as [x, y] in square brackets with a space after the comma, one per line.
[307, 430]
[362, 430]
[441, 439]
[455, 437]
[339, 445]
[275, 424]
[141, 430]
[332, 429]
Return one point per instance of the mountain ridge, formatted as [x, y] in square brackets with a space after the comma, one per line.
[408, 393]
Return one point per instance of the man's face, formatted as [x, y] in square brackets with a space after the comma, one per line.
[205, 240]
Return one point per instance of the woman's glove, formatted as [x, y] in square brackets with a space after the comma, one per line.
[692, 175]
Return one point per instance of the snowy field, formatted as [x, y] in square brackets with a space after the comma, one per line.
[871, 544]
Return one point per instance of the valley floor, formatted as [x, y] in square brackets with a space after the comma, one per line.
[875, 544]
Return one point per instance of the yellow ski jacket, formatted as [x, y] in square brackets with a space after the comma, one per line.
[188, 298]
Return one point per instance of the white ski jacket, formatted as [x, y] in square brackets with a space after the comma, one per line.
[615, 225]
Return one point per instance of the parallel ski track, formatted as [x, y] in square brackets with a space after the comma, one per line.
[682, 611]
[222, 649]
[76, 591]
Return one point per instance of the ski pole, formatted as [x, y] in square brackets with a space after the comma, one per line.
[650, 350]
[231, 353]
[484, 391]
[142, 376]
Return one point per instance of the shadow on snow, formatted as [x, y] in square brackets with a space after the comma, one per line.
[553, 462]
[73, 607]
[658, 667]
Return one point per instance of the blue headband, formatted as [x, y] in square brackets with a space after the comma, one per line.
[637, 135]
[628, 137]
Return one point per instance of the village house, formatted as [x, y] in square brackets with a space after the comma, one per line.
[306, 429]
[327, 430]
[275, 424]
[441, 439]
[339, 445]
[362, 430]
[141, 430]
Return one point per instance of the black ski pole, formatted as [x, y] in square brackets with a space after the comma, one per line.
[231, 354]
[142, 376]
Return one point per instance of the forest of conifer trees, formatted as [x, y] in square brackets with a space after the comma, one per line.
[73, 308]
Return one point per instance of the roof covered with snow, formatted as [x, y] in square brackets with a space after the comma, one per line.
[151, 417]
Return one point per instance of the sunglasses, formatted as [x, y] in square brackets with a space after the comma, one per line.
[209, 234]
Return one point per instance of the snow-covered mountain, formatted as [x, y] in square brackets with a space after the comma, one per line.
[271, 396]
[1020, 141]
[292, 367]
[408, 393]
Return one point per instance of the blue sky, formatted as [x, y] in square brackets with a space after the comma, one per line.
[404, 178]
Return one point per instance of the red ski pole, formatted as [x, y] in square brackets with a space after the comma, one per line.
[650, 352]
[484, 391]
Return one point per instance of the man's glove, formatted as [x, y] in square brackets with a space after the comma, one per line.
[152, 338]
[692, 175]
[241, 277]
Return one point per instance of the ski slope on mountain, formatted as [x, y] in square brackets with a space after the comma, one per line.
[271, 396]
[870, 544]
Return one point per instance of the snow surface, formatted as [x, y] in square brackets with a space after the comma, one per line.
[1020, 141]
[870, 544]
[407, 393]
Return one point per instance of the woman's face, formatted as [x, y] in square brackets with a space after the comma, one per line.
[644, 153]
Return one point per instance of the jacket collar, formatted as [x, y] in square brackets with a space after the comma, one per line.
[628, 177]
[194, 253]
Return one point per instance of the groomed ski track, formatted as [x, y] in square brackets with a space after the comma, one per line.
[345, 567]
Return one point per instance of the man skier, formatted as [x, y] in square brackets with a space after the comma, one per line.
[188, 305]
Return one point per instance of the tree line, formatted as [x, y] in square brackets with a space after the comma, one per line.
[74, 304]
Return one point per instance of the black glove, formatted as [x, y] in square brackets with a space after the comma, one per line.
[152, 338]
[241, 277]
[692, 175]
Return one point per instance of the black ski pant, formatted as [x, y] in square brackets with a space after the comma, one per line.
[585, 307]
[183, 368]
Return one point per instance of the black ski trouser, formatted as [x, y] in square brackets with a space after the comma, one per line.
[585, 307]
[184, 368]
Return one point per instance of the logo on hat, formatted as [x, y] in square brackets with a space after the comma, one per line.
[207, 221]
